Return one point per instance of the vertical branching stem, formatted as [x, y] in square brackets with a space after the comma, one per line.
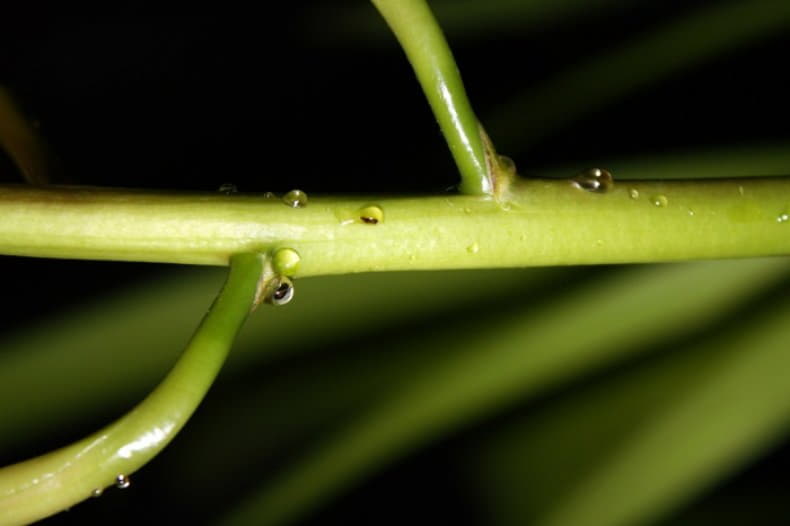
[426, 48]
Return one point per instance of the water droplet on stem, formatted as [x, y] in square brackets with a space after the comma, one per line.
[283, 292]
[122, 481]
[595, 180]
[659, 200]
[295, 199]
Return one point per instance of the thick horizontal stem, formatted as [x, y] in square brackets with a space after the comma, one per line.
[540, 222]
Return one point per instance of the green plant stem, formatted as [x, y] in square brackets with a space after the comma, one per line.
[426, 48]
[45, 485]
[543, 222]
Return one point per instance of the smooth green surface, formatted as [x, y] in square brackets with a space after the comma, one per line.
[483, 368]
[539, 222]
[45, 485]
[430, 56]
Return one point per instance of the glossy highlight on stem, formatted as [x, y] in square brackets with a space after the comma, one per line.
[45, 485]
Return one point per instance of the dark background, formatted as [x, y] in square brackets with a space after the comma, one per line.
[285, 100]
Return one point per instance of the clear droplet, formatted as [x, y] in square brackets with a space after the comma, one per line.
[122, 481]
[595, 180]
[286, 261]
[97, 492]
[659, 200]
[691, 212]
[474, 248]
[295, 199]
[633, 193]
[783, 218]
[269, 195]
[283, 292]
[467, 210]
[740, 190]
[371, 215]
[228, 189]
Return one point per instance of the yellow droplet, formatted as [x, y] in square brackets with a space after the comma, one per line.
[371, 215]
[286, 261]
[474, 248]
[633, 193]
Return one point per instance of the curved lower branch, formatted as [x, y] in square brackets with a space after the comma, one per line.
[45, 485]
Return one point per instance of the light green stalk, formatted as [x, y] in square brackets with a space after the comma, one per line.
[45, 485]
[542, 222]
[426, 48]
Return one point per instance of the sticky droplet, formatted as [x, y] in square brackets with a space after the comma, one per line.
[295, 199]
[371, 215]
[97, 492]
[595, 180]
[286, 261]
[633, 193]
[283, 292]
[659, 200]
[783, 218]
[228, 189]
[740, 190]
[691, 212]
[474, 248]
[122, 481]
